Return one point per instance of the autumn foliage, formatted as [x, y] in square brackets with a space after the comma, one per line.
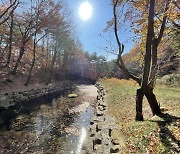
[37, 44]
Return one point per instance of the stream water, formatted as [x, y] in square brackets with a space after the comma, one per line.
[74, 142]
[59, 127]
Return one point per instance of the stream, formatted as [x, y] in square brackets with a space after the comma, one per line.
[59, 127]
[74, 142]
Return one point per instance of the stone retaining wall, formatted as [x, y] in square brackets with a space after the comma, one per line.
[35, 95]
[100, 139]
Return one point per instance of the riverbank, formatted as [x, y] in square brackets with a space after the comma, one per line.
[24, 97]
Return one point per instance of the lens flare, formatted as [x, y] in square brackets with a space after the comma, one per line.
[85, 11]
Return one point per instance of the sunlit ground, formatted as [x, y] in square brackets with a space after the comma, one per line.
[153, 135]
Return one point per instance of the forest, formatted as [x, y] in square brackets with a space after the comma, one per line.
[43, 62]
[38, 42]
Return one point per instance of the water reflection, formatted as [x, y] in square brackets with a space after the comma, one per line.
[81, 140]
[74, 142]
[49, 128]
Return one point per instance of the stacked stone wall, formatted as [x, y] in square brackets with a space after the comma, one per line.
[100, 139]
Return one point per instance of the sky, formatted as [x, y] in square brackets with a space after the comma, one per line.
[89, 31]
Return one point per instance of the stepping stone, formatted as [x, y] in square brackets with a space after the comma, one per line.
[72, 95]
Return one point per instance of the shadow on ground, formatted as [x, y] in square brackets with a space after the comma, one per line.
[167, 137]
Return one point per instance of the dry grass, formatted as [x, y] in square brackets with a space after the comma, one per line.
[148, 136]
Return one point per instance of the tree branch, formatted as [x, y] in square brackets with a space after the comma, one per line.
[8, 8]
[156, 41]
[176, 25]
[120, 61]
[115, 26]
[163, 25]
[161, 30]
[46, 33]
[175, 3]
[14, 5]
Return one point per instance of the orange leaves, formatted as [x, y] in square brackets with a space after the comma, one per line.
[137, 13]
[142, 137]
[118, 82]
[136, 55]
[173, 12]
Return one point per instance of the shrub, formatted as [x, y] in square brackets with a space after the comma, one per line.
[171, 80]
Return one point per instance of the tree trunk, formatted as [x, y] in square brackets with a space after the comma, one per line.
[154, 65]
[33, 62]
[139, 100]
[47, 54]
[10, 38]
[155, 108]
[149, 41]
[30, 72]
[21, 53]
[52, 67]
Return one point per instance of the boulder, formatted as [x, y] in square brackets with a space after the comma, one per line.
[72, 95]
[5, 102]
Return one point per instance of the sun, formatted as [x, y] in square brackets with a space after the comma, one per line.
[85, 11]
